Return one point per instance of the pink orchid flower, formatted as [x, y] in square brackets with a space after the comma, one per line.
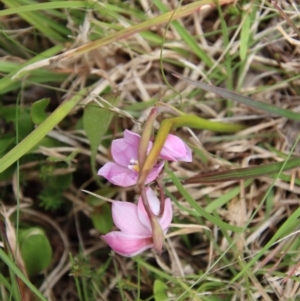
[175, 149]
[124, 171]
[135, 235]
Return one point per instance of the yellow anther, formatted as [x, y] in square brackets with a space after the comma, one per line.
[134, 165]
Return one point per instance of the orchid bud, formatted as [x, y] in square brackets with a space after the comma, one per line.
[157, 235]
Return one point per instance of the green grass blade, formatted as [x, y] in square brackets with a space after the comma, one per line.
[245, 36]
[41, 131]
[186, 36]
[43, 6]
[200, 210]
[39, 22]
[245, 173]
[227, 197]
[7, 82]
[18, 273]
[242, 99]
[228, 57]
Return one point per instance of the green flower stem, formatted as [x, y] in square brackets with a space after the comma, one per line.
[168, 124]
[160, 107]
[159, 182]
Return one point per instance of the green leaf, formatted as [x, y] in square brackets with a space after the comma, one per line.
[9, 113]
[102, 218]
[60, 182]
[48, 142]
[7, 174]
[25, 125]
[38, 114]
[245, 36]
[41, 131]
[51, 196]
[242, 99]
[245, 173]
[67, 159]
[96, 121]
[6, 142]
[35, 249]
[20, 117]
[159, 290]
[4, 281]
[106, 191]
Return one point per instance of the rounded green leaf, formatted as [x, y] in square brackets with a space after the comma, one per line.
[96, 121]
[38, 114]
[101, 218]
[35, 249]
[160, 291]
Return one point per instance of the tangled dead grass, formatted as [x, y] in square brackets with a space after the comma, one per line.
[201, 259]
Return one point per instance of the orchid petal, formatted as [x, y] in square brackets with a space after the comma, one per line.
[123, 151]
[167, 216]
[175, 149]
[154, 204]
[126, 244]
[118, 175]
[125, 217]
[154, 172]
[189, 156]
[123, 172]
[153, 201]
[132, 138]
